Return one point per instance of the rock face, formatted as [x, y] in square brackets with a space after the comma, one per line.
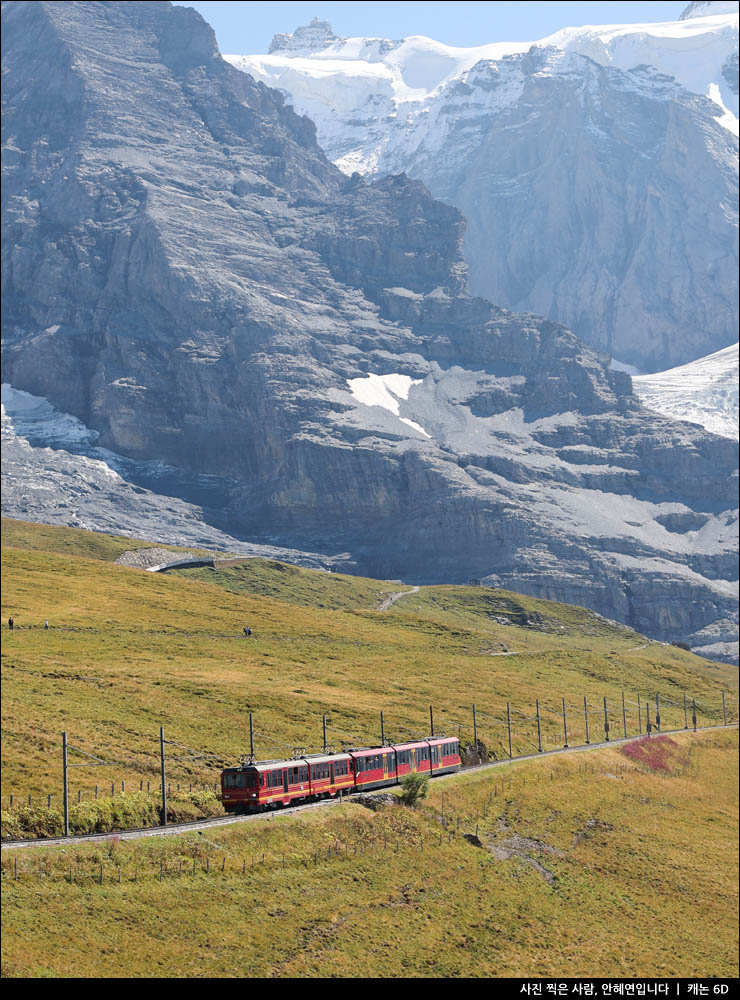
[598, 180]
[186, 274]
[53, 473]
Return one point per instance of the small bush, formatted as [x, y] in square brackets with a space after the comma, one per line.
[414, 788]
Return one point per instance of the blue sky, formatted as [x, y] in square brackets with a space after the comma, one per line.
[248, 27]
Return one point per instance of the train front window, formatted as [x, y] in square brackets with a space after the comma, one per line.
[235, 780]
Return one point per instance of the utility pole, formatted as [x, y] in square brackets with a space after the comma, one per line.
[539, 732]
[585, 714]
[475, 733]
[251, 737]
[323, 727]
[624, 717]
[657, 711]
[508, 724]
[164, 779]
[565, 726]
[431, 720]
[382, 729]
[66, 785]
[606, 722]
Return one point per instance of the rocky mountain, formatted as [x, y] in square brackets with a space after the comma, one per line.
[596, 168]
[54, 472]
[188, 276]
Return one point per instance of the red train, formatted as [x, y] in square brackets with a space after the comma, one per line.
[255, 787]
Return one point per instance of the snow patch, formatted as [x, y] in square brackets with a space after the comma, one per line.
[387, 391]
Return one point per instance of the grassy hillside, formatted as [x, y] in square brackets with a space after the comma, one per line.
[615, 862]
[129, 651]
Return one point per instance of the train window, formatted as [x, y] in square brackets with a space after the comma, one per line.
[235, 780]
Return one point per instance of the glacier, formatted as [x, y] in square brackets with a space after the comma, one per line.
[704, 392]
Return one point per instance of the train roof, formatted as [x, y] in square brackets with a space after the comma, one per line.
[320, 758]
[326, 758]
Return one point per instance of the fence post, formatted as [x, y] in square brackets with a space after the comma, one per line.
[624, 717]
[66, 785]
[585, 713]
[475, 734]
[606, 722]
[508, 724]
[382, 728]
[565, 725]
[164, 779]
[431, 721]
[657, 711]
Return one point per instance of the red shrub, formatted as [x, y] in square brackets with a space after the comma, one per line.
[656, 753]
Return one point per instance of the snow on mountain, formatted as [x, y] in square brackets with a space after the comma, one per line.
[326, 76]
[705, 8]
[703, 392]
[596, 168]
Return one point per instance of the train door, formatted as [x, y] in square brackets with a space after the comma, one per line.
[285, 780]
[331, 772]
[435, 757]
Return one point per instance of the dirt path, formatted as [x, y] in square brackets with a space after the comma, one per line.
[392, 598]
[180, 828]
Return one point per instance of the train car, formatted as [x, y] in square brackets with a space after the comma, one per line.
[260, 786]
[330, 774]
[374, 767]
[438, 755]
[445, 755]
[412, 757]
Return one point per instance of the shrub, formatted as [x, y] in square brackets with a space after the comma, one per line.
[414, 788]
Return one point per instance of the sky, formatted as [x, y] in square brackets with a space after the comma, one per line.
[246, 27]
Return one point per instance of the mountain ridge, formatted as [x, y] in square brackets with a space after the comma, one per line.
[187, 275]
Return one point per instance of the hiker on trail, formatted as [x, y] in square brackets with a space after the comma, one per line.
[46, 625]
[10, 622]
[247, 631]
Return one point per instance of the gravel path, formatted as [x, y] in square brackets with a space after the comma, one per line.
[392, 598]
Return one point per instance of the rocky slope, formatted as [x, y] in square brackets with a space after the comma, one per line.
[596, 168]
[187, 275]
[53, 473]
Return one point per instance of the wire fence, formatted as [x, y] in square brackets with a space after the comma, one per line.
[512, 732]
[455, 823]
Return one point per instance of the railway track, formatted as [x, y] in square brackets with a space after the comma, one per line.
[206, 824]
